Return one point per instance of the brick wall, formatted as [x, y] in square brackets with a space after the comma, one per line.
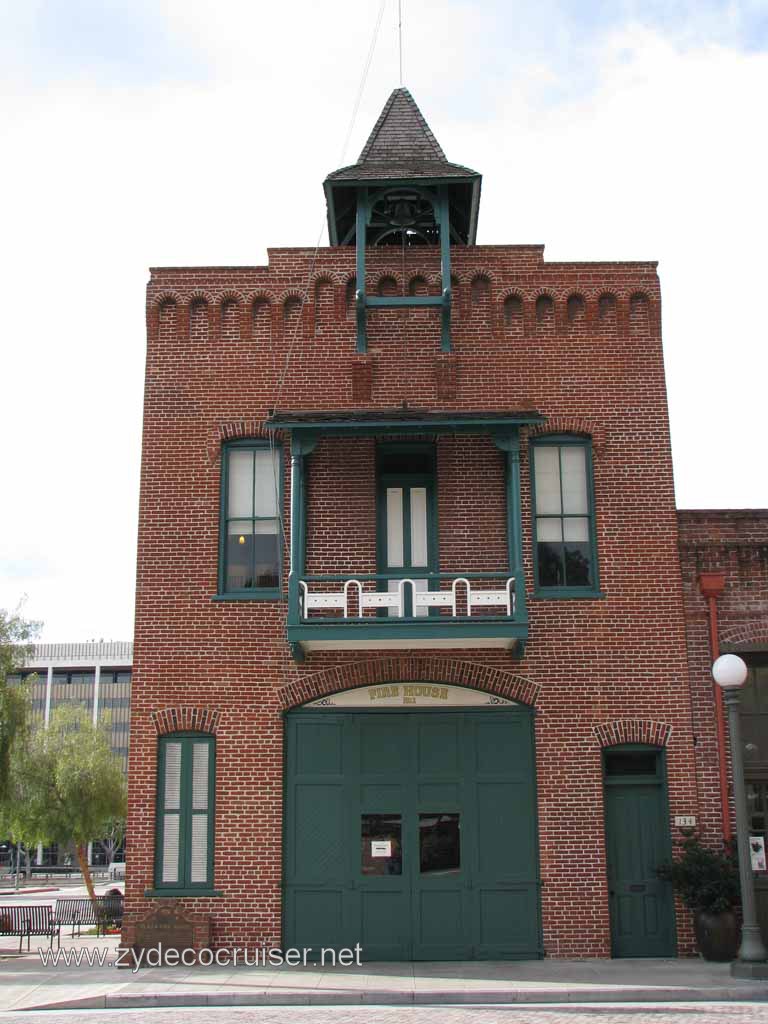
[735, 544]
[578, 342]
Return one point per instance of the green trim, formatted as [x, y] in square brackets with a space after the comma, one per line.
[451, 423]
[591, 590]
[172, 894]
[510, 445]
[395, 301]
[186, 813]
[252, 593]
[422, 628]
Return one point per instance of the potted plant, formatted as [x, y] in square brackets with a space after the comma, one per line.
[707, 882]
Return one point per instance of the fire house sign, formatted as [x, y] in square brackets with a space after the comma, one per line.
[395, 695]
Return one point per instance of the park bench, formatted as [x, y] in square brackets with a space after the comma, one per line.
[55, 870]
[106, 913]
[26, 921]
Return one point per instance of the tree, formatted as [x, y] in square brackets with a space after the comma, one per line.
[14, 820]
[67, 784]
[112, 836]
[16, 648]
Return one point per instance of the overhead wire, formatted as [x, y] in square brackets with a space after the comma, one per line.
[304, 295]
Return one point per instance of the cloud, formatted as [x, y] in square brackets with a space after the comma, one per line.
[629, 139]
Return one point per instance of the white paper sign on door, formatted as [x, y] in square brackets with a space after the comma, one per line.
[381, 847]
[757, 852]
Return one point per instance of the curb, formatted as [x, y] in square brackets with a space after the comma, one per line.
[27, 892]
[387, 997]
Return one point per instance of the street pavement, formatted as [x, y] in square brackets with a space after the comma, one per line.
[680, 991]
[26, 983]
[688, 1013]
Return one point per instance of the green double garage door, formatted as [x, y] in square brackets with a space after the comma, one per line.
[412, 833]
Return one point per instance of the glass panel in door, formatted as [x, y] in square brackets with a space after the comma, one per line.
[407, 541]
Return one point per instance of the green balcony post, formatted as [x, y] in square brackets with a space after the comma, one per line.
[297, 517]
[510, 445]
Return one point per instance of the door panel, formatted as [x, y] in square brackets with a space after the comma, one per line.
[637, 841]
[413, 833]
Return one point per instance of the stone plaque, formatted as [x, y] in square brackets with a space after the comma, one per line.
[171, 928]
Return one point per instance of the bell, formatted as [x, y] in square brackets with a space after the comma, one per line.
[403, 214]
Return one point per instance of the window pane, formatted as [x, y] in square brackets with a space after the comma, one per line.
[578, 560]
[394, 527]
[550, 558]
[170, 848]
[240, 484]
[547, 475]
[200, 776]
[439, 844]
[576, 529]
[266, 555]
[267, 483]
[574, 467]
[172, 789]
[418, 526]
[380, 841]
[198, 867]
[549, 529]
[239, 555]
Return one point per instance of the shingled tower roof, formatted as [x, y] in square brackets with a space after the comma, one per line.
[401, 145]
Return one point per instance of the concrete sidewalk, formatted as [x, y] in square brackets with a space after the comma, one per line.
[26, 984]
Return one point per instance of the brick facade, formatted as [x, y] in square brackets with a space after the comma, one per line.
[733, 545]
[578, 342]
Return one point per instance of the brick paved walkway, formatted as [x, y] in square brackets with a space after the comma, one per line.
[692, 1013]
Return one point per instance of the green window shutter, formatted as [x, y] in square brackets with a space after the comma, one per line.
[198, 859]
[184, 853]
[171, 813]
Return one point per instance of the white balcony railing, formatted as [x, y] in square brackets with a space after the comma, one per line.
[405, 598]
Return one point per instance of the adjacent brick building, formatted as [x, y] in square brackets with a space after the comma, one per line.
[724, 556]
[410, 661]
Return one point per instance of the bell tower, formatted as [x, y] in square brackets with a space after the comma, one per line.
[403, 192]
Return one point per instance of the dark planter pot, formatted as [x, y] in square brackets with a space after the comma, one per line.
[717, 935]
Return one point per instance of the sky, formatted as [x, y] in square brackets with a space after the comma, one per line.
[138, 133]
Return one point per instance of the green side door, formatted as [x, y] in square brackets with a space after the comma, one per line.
[637, 842]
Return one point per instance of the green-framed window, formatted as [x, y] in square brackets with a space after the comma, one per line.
[185, 810]
[251, 498]
[565, 546]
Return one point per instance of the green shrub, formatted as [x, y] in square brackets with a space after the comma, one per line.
[703, 878]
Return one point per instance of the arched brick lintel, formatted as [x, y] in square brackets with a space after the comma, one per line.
[632, 730]
[571, 425]
[409, 669]
[746, 633]
[185, 719]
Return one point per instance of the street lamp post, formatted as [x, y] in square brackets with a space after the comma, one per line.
[730, 672]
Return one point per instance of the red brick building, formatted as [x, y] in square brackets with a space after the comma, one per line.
[410, 662]
[724, 557]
